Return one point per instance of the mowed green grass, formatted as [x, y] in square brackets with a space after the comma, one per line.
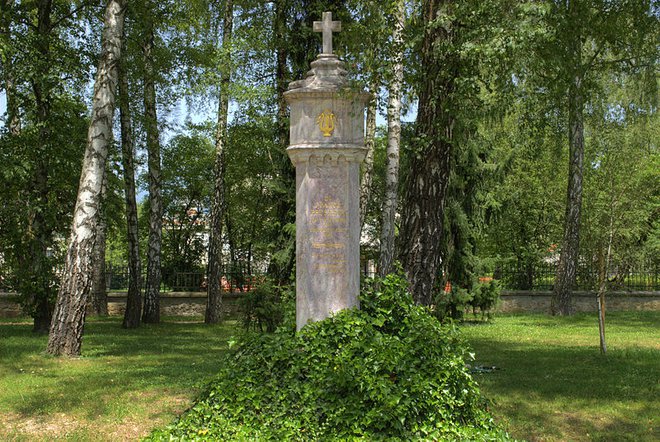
[125, 383]
[552, 383]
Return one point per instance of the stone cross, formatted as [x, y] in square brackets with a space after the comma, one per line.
[327, 27]
[326, 146]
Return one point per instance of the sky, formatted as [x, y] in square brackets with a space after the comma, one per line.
[198, 117]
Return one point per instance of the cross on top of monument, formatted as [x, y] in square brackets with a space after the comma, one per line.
[327, 27]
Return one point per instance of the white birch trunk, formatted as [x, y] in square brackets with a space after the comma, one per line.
[393, 143]
[368, 164]
[214, 274]
[99, 298]
[69, 317]
[151, 312]
[133, 310]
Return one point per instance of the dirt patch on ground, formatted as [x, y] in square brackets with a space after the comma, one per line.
[154, 411]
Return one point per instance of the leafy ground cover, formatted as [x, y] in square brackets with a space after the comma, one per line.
[126, 383]
[389, 371]
[552, 384]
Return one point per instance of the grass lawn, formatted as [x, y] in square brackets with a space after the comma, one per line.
[126, 383]
[552, 384]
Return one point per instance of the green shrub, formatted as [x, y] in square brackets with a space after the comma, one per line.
[389, 371]
[264, 307]
[452, 304]
[485, 298]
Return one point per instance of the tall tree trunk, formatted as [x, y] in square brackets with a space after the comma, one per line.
[390, 202]
[281, 268]
[562, 303]
[6, 62]
[41, 233]
[368, 164]
[69, 316]
[230, 270]
[604, 268]
[99, 293]
[151, 313]
[214, 290]
[602, 288]
[134, 296]
[425, 193]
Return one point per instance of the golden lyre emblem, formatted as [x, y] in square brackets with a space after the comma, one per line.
[326, 122]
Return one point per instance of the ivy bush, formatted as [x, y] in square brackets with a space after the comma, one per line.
[389, 371]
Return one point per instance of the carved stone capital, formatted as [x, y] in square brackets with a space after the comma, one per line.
[305, 153]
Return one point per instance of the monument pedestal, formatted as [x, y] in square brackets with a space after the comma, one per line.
[326, 147]
[327, 231]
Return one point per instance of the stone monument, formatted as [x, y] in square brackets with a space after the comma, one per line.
[326, 148]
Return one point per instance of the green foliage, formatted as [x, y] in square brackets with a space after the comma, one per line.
[251, 198]
[38, 191]
[387, 371]
[186, 181]
[452, 305]
[264, 307]
[485, 298]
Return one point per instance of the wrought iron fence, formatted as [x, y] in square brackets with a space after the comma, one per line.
[512, 276]
[541, 276]
[117, 279]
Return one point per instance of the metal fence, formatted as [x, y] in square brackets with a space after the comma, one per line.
[541, 276]
[117, 279]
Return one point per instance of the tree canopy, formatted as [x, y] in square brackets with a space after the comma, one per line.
[505, 95]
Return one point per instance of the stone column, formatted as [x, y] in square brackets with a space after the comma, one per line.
[326, 147]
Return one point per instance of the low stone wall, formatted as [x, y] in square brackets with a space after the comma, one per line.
[539, 301]
[194, 303]
[171, 304]
[178, 303]
[9, 306]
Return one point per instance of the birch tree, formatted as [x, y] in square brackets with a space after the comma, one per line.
[42, 85]
[426, 186]
[69, 316]
[369, 143]
[589, 38]
[99, 292]
[390, 202]
[151, 312]
[133, 310]
[214, 289]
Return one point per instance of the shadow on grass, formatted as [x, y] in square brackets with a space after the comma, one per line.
[535, 423]
[118, 369]
[553, 384]
[574, 372]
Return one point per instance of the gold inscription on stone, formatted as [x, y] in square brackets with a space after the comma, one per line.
[326, 122]
[328, 225]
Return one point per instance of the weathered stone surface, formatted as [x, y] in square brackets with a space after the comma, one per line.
[326, 147]
[539, 302]
[9, 306]
[327, 233]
